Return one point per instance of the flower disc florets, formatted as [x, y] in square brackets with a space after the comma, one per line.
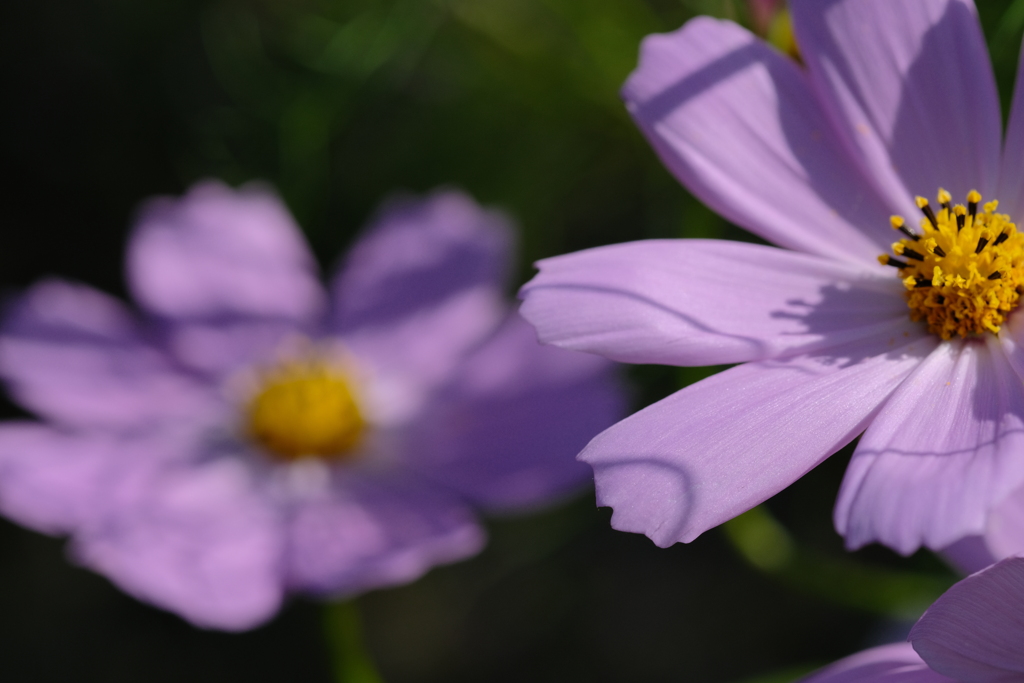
[306, 409]
[965, 273]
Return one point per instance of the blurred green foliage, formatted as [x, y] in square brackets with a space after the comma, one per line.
[1003, 22]
[340, 103]
[889, 592]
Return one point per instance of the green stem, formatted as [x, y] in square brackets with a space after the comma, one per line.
[344, 631]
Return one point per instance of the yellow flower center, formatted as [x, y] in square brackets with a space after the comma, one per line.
[306, 409]
[965, 272]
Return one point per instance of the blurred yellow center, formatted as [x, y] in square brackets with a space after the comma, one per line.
[965, 271]
[306, 409]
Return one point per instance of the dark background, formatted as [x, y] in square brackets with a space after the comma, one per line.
[340, 103]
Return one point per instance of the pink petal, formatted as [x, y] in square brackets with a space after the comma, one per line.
[969, 554]
[221, 348]
[370, 534]
[719, 447]
[59, 481]
[201, 544]
[740, 126]
[56, 482]
[705, 302]
[941, 453]
[218, 253]
[896, 663]
[505, 431]
[1004, 535]
[1011, 175]
[1011, 338]
[973, 633]
[1004, 532]
[77, 356]
[418, 253]
[911, 86]
[417, 353]
[423, 286]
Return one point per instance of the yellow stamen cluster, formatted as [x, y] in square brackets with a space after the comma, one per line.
[306, 409]
[965, 271]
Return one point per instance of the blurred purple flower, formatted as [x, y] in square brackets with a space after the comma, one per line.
[816, 160]
[972, 634]
[252, 434]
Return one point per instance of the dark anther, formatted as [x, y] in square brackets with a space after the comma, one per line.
[981, 245]
[930, 215]
[938, 251]
[960, 220]
[921, 282]
[972, 208]
[910, 253]
[995, 276]
[1003, 236]
[896, 262]
[906, 231]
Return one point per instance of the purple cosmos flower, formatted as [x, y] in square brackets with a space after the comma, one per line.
[251, 434]
[894, 101]
[972, 634]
